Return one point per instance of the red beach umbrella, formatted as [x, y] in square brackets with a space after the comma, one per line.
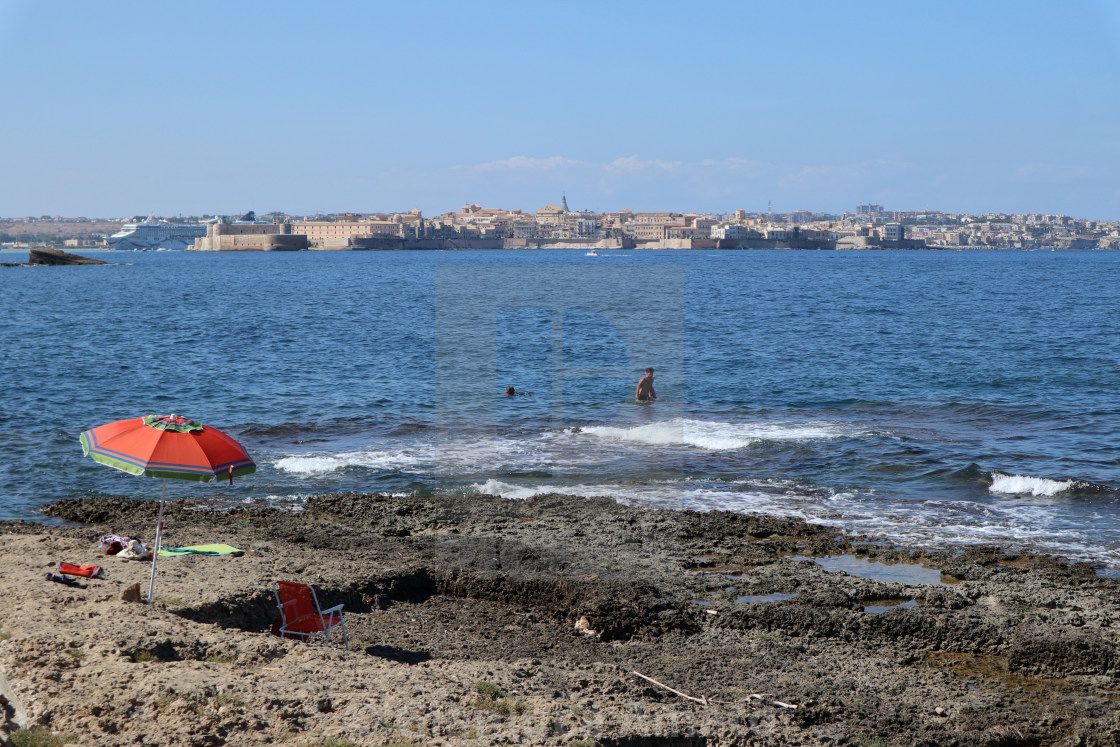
[167, 446]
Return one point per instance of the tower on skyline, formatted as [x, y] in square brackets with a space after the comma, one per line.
[564, 201]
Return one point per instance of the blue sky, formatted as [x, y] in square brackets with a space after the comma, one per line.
[123, 108]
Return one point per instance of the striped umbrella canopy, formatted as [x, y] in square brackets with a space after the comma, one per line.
[168, 446]
[171, 447]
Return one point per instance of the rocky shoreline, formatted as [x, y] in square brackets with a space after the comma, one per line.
[555, 620]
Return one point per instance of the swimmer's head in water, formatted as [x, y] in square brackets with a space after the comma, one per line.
[510, 391]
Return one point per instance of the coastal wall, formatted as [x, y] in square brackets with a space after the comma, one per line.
[390, 243]
[263, 243]
[250, 243]
[870, 242]
[776, 244]
[249, 237]
[755, 243]
[283, 237]
[611, 243]
[675, 244]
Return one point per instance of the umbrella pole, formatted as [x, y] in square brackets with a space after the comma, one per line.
[158, 543]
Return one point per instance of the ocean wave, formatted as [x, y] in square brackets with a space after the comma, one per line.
[776, 497]
[511, 492]
[317, 464]
[451, 457]
[715, 436]
[1025, 485]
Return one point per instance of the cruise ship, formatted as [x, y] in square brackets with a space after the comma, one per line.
[151, 234]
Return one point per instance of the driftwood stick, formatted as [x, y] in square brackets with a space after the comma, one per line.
[780, 704]
[702, 701]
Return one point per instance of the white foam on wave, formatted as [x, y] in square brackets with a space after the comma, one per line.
[453, 456]
[715, 436]
[549, 450]
[511, 492]
[763, 496]
[1024, 485]
[318, 464]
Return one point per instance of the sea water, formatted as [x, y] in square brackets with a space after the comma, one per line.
[928, 398]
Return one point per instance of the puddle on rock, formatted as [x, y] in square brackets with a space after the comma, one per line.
[763, 598]
[898, 573]
[987, 672]
[878, 606]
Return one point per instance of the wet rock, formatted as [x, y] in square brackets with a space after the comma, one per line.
[946, 600]
[1062, 652]
[59, 257]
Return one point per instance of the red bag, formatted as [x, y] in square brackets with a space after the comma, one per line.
[88, 571]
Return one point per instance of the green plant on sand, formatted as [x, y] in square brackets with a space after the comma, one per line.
[493, 698]
[340, 742]
[39, 737]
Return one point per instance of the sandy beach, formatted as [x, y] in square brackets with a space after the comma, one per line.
[488, 621]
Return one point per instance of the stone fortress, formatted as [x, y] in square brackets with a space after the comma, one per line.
[223, 236]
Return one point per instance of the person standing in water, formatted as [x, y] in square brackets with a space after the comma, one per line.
[644, 392]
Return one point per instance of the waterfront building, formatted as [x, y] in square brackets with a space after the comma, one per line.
[338, 233]
[684, 232]
[658, 219]
[587, 228]
[646, 231]
[523, 228]
[703, 225]
[551, 213]
[731, 231]
[894, 232]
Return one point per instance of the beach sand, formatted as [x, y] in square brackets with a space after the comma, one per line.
[486, 621]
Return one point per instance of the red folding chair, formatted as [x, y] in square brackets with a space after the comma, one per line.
[301, 615]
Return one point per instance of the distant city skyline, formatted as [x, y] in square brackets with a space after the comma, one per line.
[558, 227]
[965, 108]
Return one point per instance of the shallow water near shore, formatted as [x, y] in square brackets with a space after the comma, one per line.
[899, 573]
[935, 399]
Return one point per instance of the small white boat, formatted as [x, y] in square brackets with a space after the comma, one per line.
[592, 253]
